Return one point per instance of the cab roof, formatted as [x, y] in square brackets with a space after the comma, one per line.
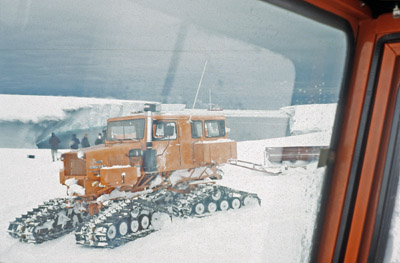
[195, 115]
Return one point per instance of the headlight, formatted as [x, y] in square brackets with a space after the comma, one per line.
[80, 155]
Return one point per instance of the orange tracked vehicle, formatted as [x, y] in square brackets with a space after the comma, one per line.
[152, 167]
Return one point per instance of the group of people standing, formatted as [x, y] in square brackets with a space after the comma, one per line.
[54, 141]
[75, 142]
[85, 141]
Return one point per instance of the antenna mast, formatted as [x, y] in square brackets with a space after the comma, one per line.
[201, 80]
[209, 99]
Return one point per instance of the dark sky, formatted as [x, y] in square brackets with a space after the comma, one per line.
[257, 56]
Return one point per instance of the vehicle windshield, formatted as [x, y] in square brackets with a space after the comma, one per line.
[125, 130]
[276, 75]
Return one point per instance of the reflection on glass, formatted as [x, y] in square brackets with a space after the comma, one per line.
[125, 130]
[164, 131]
[392, 253]
[275, 75]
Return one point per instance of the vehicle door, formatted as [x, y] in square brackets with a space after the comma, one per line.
[166, 142]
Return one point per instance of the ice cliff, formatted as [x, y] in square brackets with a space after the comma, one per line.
[28, 121]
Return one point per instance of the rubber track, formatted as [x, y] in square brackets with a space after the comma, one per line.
[92, 232]
[23, 228]
[173, 203]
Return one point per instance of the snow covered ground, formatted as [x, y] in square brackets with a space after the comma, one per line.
[311, 118]
[278, 231]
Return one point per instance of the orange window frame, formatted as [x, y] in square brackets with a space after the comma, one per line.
[354, 245]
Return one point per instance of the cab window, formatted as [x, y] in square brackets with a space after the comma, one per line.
[163, 130]
[197, 129]
[125, 130]
[215, 128]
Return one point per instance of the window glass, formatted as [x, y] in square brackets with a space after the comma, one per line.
[125, 130]
[67, 66]
[386, 238]
[164, 130]
[215, 128]
[197, 129]
[392, 253]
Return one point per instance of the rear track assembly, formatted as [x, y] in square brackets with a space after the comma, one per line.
[125, 220]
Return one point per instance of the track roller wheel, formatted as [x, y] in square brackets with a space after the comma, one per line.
[123, 227]
[111, 233]
[216, 195]
[212, 207]
[144, 221]
[199, 208]
[235, 203]
[134, 225]
[223, 205]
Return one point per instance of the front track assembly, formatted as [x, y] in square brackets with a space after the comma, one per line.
[48, 221]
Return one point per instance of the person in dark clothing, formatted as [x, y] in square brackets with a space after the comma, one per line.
[54, 141]
[75, 142]
[99, 140]
[85, 141]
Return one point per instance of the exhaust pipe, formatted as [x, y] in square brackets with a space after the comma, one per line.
[149, 125]
[150, 155]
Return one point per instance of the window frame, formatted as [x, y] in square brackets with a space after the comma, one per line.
[389, 178]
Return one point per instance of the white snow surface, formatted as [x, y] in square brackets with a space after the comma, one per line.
[178, 175]
[311, 118]
[312, 139]
[71, 182]
[278, 231]
[120, 194]
[115, 167]
[214, 141]
[35, 109]
[28, 108]
[73, 187]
